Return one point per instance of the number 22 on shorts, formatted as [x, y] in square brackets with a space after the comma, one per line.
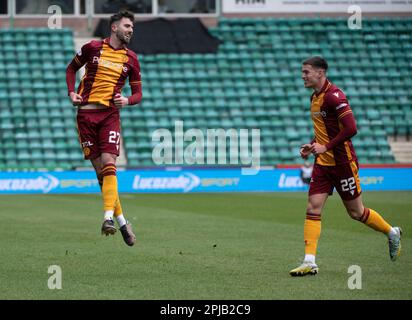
[348, 184]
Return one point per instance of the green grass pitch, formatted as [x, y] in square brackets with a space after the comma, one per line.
[198, 246]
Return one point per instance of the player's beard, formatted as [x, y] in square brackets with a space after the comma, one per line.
[123, 37]
[308, 84]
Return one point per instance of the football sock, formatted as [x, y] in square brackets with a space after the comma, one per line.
[392, 233]
[109, 189]
[118, 208]
[311, 233]
[121, 220]
[375, 221]
[309, 258]
[108, 215]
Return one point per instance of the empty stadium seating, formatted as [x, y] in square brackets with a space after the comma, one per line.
[37, 127]
[252, 82]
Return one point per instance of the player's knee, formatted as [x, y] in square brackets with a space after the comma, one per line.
[354, 214]
[108, 158]
[313, 209]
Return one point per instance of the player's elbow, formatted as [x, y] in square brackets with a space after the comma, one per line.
[72, 67]
[70, 70]
[135, 99]
[351, 133]
[351, 129]
[354, 131]
[138, 98]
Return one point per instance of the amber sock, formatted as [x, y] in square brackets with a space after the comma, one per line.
[311, 233]
[375, 221]
[118, 208]
[109, 190]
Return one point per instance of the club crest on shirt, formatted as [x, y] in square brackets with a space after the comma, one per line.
[86, 151]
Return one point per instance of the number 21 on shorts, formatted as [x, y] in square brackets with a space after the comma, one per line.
[114, 137]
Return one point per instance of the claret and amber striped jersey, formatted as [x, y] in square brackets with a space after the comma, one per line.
[328, 109]
[106, 72]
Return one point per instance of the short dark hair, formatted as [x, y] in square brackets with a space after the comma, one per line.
[121, 14]
[316, 62]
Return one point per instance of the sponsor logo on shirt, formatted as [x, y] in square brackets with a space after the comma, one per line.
[109, 64]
